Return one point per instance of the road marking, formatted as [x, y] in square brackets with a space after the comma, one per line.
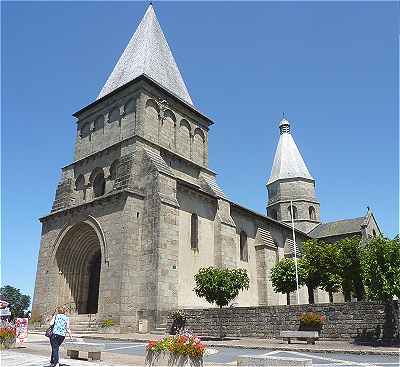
[131, 346]
[271, 353]
[341, 361]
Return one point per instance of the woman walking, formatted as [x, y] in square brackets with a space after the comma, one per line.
[60, 323]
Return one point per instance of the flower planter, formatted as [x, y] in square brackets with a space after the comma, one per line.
[311, 321]
[178, 350]
[310, 328]
[7, 344]
[115, 329]
[163, 358]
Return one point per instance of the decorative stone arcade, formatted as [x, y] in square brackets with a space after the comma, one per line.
[78, 260]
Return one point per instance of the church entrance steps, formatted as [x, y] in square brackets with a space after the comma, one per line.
[83, 323]
[159, 329]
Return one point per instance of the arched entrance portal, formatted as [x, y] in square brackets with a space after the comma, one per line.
[78, 259]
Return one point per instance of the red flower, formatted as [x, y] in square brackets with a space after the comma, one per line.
[151, 344]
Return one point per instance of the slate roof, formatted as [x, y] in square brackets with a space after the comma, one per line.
[213, 186]
[337, 228]
[288, 162]
[148, 53]
[264, 237]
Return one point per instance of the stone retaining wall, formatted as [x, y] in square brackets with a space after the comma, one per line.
[343, 320]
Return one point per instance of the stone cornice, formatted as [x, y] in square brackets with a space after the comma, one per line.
[266, 218]
[96, 201]
[297, 200]
[137, 80]
[143, 140]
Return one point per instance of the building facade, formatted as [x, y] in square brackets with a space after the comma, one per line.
[138, 212]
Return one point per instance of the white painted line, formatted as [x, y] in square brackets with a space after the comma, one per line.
[271, 353]
[131, 346]
[341, 361]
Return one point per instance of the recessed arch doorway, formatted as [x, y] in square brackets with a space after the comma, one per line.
[78, 259]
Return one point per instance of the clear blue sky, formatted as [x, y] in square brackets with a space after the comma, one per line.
[332, 67]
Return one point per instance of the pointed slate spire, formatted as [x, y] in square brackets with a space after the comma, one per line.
[288, 162]
[148, 53]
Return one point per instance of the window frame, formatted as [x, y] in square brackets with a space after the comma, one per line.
[243, 246]
[194, 232]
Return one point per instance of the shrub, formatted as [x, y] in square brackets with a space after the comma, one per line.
[311, 320]
[178, 322]
[107, 323]
[178, 316]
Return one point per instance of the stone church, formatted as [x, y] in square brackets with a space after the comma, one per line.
[138, 211]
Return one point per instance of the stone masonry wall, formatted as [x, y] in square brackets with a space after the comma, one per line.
[343, 320]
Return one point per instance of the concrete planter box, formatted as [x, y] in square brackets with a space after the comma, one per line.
[7, 344]
[168, 359]
[110, 330]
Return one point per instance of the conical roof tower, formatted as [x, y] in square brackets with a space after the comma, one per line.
[148, 53]
[288, 162]
[291, 182]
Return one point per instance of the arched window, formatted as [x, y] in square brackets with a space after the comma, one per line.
[274, 214]
[99, 185]
[194, 232]
[198, 146]
[114, 115]
[294, 212]
[311, 212]
[374, 232]
[99, 123]
[114, 169]
[85, 130]
[167, 133]
[183, 139]
[243, 246]
[151, 120]
[80, 183]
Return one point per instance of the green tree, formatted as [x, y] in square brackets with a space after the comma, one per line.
[331, 279]
[19, 303]
[283, 277]
[381, 273]
[349, 260]
[313, 264]
[220, 286]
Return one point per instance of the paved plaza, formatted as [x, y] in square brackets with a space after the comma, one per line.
[131, 353]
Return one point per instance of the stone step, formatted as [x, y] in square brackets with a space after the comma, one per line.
[83, 317]
[79, 328]
[84, 332]
[158, 331]
[83, 327]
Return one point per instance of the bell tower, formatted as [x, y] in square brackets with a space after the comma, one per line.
[291, 182]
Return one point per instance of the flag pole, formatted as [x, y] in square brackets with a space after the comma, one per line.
[295, 252]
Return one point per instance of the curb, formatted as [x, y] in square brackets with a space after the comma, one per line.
[258, 347]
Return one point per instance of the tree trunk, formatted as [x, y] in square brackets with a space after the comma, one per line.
[330, 297]
[288, 299]
[391, 325]
[346, 286]
[311, 300]
[221, 336]
[359, 289]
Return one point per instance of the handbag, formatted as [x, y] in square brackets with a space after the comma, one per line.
[49, 331]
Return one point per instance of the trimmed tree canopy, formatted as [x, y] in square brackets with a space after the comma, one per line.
[220, 286]
[381, 268]
[283, 276]
[19, 303]
[349, 263]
